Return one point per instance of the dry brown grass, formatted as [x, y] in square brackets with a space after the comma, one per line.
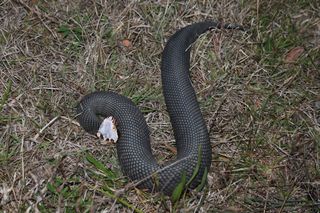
[263, 114]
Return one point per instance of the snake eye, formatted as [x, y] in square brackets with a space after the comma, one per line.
[108, 130]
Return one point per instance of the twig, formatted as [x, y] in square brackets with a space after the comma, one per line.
[45, 127]
[22, 160]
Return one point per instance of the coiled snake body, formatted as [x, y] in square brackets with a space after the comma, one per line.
[192, 139]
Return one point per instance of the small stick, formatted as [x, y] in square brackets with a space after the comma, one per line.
[22, 160]
[45, 127]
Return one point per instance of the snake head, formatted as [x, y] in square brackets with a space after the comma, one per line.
[108, 130]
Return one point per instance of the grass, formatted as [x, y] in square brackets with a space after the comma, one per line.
[261, 110]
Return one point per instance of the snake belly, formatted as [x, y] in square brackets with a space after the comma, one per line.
[190, 131]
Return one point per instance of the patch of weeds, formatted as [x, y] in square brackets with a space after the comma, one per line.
[207, 103]
[272, 106]
[282, 111]
[215, 74]
[247, 165]
[107, 172]
[7, 153]
[147, 93]
[74, 32]
[283, 36]
[74, 36]
[158, 17]
[109, 180]
[12, 147]
[78, 32]
[44, 105]
[105, 78]
[67, 191]
[275, 45]
[312, 60]
[180, 190]
[108, 34]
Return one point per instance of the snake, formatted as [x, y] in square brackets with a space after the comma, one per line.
[194, 152]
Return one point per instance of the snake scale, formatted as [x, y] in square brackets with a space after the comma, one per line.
[190, 131]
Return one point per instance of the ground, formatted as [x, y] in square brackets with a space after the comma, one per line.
[258, 91]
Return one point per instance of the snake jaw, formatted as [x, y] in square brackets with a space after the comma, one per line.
[108, 130]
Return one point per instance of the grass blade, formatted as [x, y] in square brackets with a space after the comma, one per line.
[100, 166]
[179, 188]
[196, 169]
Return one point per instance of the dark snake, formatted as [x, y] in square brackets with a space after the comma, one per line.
[194, 152]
